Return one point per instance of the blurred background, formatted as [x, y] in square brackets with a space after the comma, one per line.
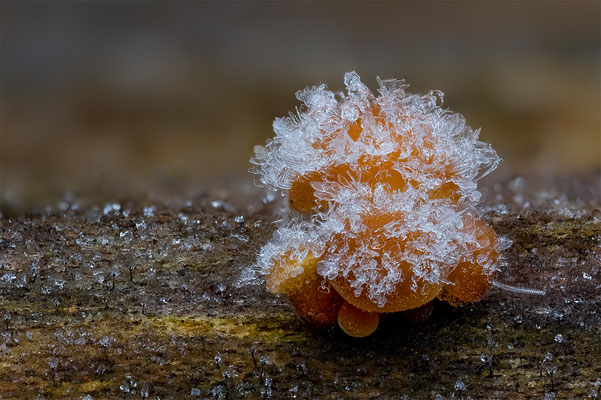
[122, 98]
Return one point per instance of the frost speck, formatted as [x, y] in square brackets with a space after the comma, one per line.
[149, 211]
[460, 386]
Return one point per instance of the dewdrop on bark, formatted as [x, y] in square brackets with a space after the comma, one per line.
[382, 194]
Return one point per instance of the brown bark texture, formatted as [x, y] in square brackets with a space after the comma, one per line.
[139, 299]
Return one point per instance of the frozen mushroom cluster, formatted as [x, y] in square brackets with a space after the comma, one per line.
[382, 194]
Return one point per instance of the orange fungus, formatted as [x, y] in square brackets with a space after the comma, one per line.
[384, 189]
[356, 322]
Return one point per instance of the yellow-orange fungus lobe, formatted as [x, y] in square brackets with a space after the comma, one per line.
[406, 293]
[354, 130]
[302, 198]
[381, 169]
[403, 297]
[288, 275]
[386, 194]
[355, 322]
[316, 302]
[301, 195]
[447, 190]
[469, 280]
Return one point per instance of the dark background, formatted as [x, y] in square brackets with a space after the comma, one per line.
[122, 98]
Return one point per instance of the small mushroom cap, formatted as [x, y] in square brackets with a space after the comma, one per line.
[355, 322]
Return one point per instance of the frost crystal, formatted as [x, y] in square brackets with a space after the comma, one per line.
[390, 186]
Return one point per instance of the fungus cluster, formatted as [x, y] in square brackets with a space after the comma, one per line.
[382, 195]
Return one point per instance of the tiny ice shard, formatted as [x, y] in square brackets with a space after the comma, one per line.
[382, 194]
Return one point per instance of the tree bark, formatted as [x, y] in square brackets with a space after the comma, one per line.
[137, 302]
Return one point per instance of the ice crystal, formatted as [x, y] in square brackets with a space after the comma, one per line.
[392, 168]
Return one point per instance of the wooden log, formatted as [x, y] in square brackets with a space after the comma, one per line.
[142, 302]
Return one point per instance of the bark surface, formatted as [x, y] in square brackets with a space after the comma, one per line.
[139, 300]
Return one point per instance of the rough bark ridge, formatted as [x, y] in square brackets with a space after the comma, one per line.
[136, 300]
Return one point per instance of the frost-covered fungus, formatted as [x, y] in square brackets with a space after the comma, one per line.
[387, 184]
